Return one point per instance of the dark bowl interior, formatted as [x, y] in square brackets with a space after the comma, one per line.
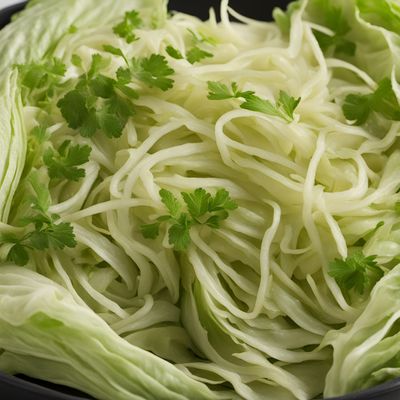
[25, 388]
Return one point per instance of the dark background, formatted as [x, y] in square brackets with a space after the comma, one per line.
[259, 9]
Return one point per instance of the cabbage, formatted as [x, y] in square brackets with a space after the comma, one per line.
[366, 352]
[45, 332]
[247, 308]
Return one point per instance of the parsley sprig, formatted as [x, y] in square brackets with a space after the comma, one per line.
[98, 102]
[358, 107]
[283, 108]
[154, 71]
[64, 162]
[40, 80]
[126, 28]
[43, 230]
[357, 272]
[196, 53]
[201, 209]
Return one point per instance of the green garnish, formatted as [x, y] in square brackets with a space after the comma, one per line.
[358, 107]
[43, 229]
[41, 79]
[126, 29]
[284, 107]
[201, 209]
[64, 162]
[356, 272]
[98, 102]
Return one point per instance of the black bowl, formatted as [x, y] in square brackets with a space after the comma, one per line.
[25, 388]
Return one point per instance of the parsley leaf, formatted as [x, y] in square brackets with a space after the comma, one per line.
[203, 209]
[358, 107]
[220, 91]
[287, 103]
[126, 28]
[18, 254]
[98, 102]
[197, 202]
[54, 236]
[178, 234]
[222, 201]
[64, 162]
[153, 71]
[284, 107]
[174, 53]
[195, 54]
[356, 272]
[40, 80]
[171, 202]
[76, 60]
[42, 230]
[150, 231]
[115, 51]
[255, 103]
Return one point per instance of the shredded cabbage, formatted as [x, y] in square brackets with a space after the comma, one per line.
[250, 310]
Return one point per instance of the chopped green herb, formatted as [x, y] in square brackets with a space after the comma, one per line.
[202, 209]
[41, 79]
[178, 233]
[43, 231]
[153, 71]
[356, 272]
[358, 107]
[195, 54]
[115, 51]
[64, 162]
[76, 60]
[126, 29]
[97, 102]
[284, 107]
[220, 91]
[174, 53]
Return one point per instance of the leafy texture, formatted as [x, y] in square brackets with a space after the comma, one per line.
[203, 209]
[384, 13]
[41, 79]
[40, 317]
[358, 107]
[154, 71]
[126, 28]
[43, 231]
[99, 102]
[64, 162]
[174, 53]
[284, 107]
[356, 272]
[196, 54]
[365, 352]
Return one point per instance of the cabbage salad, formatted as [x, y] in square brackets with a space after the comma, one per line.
[201, 210]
